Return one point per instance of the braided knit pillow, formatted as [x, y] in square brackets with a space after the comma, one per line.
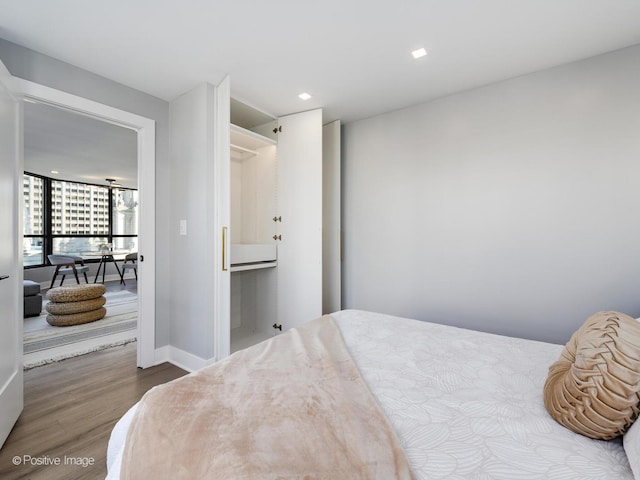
[593, 389]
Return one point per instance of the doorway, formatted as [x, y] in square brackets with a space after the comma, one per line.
[144, 130]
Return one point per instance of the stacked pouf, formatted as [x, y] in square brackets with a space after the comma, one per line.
[75, 304]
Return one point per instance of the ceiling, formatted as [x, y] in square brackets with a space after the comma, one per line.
[79, 148]
[352, 56]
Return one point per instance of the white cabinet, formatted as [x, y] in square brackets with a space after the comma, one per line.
[233, 177]
[253, 251]
[300, 205]
[275, 223]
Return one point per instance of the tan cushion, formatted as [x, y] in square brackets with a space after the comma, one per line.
[76, 318]
[593, 389]
[76, 293]
[66, 308]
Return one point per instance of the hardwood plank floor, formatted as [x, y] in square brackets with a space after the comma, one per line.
[71, 407]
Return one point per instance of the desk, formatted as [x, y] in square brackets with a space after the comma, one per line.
[104, 258]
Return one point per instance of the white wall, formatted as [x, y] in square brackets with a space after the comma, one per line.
[513, 208]
[192, 279]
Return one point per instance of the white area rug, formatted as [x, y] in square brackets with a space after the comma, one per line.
[121, 318]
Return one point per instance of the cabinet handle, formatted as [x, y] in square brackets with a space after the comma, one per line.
[4, 277]
[224, 249]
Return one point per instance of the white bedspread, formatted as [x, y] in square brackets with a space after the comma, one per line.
[466, 405]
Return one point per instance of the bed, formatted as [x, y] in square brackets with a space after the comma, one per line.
[464, 404]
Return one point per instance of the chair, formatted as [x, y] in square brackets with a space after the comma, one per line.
[66, 265]
[133, 258]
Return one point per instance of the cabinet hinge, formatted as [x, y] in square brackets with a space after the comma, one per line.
[277, 129]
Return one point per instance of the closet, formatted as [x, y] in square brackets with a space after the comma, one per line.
[274, 237]
[253, 255]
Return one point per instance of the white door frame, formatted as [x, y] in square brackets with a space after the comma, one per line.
[145, 129]
[222, 217]
[11, 374]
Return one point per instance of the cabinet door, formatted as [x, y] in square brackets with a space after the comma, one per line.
[221, 220]
[11, 385]
[299, 200]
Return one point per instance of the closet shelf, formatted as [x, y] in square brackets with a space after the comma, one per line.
[245, 143]
[243, 267]
[252, 256]
[241, 149]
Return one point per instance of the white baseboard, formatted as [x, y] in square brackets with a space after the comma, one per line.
[185, 360]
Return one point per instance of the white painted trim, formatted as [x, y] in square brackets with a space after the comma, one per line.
[78, 104]
[145, 129]
[185, 360]
[146, 244]
[222, 203]
[11, 391]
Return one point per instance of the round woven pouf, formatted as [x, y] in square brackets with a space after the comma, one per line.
[75, 304]
[66, 308]
[76, 293]
[76, 318]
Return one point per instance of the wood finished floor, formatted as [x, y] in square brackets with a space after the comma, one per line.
[70, 409]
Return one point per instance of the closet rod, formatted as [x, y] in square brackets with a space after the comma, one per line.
[243, 149]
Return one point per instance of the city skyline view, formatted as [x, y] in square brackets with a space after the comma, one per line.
[74, 218]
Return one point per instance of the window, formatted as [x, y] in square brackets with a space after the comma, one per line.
[125, 212]
[77, 245]
[32, 249]
[76, 218]
[124, 223]
[65, 205]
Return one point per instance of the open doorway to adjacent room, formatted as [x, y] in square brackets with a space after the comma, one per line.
[80, 200]
[139, 131]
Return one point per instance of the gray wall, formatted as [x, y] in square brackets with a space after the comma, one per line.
[192, 282]
[513, 208]
[33, 66]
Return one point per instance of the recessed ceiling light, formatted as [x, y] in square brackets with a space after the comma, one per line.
[304, 96]
[54, 171]
[421, 52]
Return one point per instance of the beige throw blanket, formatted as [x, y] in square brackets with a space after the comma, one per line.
[293, 407]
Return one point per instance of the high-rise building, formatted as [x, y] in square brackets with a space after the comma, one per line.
[84, 218]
